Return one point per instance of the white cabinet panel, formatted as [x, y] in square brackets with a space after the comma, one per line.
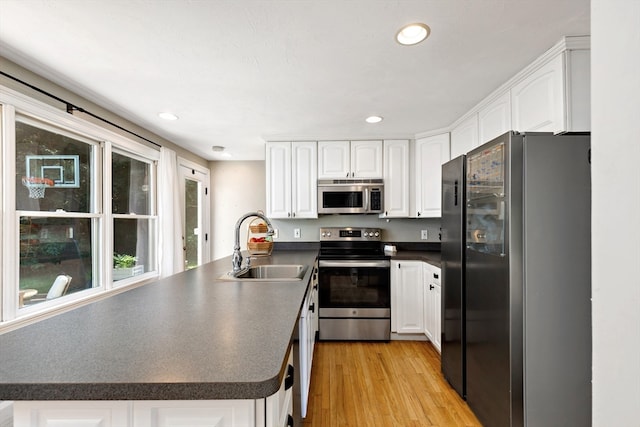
[494, 119]
[190, 413]
[71, 413]
[291, 175]
[279, 407]
[407, 301]
[396, 179]
[278, 171]
[334, 159]
[432, 305]
[464, 137]
[538, 101]
[349, 159]
[366, 159]
[430, 154]
[304, 182]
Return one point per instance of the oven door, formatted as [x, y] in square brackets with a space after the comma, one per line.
[354, 284]
[355, 300]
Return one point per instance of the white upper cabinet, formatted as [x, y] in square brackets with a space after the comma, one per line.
[464, 137]
[278, 171]
[334, 159]
[537, 101]
[291, 169]
[555, 97]
[396, 178]
[494, 119]
[304, 184]
[430, 154]
[349, 159]
[366, 159]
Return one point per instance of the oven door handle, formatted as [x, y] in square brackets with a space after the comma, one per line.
[354, 263]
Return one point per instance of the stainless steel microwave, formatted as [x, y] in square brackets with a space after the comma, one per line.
[350, 196]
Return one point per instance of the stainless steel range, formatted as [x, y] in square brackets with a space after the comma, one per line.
[354, 285]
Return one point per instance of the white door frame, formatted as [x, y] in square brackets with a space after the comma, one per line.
[193, 171]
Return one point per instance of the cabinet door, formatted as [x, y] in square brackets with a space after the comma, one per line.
[396, 179]
[430, 154]
[538, 101]
[279, 406]
[464, 137]
[366, 159]
[334, 159]
[432, 305]
[304, 182]
[180, 413]
[428, 302]
[278, 174]
[495, 119]
[437, 321]
[406, 282]
[71, 413]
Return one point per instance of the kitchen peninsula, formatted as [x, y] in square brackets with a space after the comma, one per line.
[188, 337]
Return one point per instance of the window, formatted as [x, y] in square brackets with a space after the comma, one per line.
[55, 193]
[133, 244]
[80, 214]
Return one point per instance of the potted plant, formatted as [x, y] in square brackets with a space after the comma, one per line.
[124, 265]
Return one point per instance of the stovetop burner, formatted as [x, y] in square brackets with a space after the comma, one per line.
[351, 243]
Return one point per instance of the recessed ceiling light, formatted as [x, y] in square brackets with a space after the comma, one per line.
[373, 119]
[167, 116]
[217, 148]
[413, 34]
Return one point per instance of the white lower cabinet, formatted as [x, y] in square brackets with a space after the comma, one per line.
[407, 316]
[307, 329]
[72, 413]
[183, 413]
[432, 305]
[279, 407]
[274, 411]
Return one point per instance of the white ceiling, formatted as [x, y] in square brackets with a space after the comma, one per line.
[239, 72]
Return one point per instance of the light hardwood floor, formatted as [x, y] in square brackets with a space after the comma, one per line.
[368, 384]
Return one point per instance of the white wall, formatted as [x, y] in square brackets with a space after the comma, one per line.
[615, 89]
[239, 187]
[236, 188]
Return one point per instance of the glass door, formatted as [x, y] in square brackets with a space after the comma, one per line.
[486, 200]
[194, 186]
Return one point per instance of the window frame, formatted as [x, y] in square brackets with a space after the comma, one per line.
[15, 105]
[152, 216]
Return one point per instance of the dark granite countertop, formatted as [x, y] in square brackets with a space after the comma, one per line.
[432, 257]
[189, 336]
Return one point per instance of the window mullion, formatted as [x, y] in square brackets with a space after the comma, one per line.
[10, 226]
[106, 255]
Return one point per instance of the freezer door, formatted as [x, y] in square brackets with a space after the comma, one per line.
[452, 249]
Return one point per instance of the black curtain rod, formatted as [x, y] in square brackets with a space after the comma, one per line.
[71, 107]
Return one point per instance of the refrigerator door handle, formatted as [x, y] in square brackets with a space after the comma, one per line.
[455, 193]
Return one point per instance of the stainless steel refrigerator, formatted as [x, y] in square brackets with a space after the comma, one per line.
[528, 281]
[453, 256]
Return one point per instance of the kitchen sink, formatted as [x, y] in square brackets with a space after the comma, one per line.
[274, 273]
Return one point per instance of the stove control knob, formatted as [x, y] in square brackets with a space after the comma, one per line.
[328, 234]
[377, 234]
[366, 234]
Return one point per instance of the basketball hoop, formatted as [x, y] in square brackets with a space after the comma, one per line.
[37, 186]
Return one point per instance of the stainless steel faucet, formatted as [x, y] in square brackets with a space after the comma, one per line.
[237, 256]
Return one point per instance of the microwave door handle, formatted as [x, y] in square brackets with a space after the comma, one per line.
[366, 200]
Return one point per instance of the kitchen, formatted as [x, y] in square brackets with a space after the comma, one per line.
[609, 403]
